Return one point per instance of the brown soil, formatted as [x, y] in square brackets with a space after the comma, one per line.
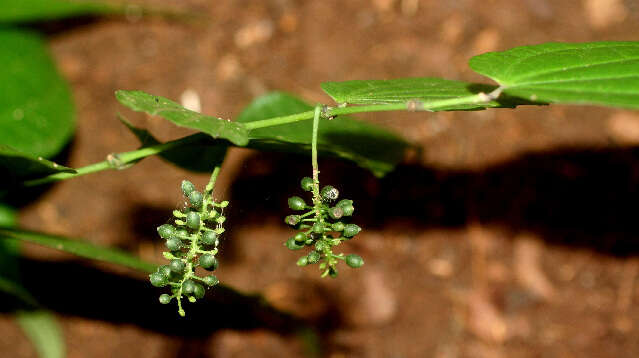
[512, 235]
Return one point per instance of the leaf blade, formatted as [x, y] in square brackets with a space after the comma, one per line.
[17, 165]
[44, 332]
[14, 11]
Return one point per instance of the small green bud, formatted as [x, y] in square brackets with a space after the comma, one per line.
[354, 261]
[300, 237]
[158, 280]
[182, 234]
[303, 261]
[209, 262]
[292, 220]
[351, 230]
[292, 245]
[296, 203]
[307, 184]
[187, 187]
[165, 299]
[173, 244]
[195, 198]
[211, 280]
[177, 266]
[209, 238]
[336, 212]
[198, 291]
[193, 220]
[188, 287]
[329, 193]
[318, 228]
[224, 204]
[338, 226]
[313, 257]
[166, 231]
[320, 245]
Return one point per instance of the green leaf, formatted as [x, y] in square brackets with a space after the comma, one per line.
[43, 331]
[171, 111]
[601, 73]
[14, 11]
[404, 90]
[369, 146]
[19, 166]
[36, 111]
[79, 248]
[200, 155]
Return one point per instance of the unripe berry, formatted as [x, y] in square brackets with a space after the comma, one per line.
[193, 220]
[188, 287]
[329, 193]
[318, 228]
[173, 244]
[165, 299]
[198, 291]
[335, 212]
[165, 270]
[158, 280]
[292, 220]
[182, 234]
[351, 230]
[296, 203]
[338, 226]
[300, 237]
[313, 257]
[208, 238]
[303, 261]
[307, 184]
[187, 187]
[354, 261]
[209, 262]
[195, 198]
[166, 231]
[320, 246]
[177, 266]
[211, 280]
[347, 206]
[291, 244]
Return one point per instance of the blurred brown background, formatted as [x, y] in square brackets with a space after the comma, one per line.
[513, 234]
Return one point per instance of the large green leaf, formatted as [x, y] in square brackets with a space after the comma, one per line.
[79, 248]
[201, 154]
[171, 111]
[15, 165]
[36, 111]
[369, 146]
[44, 332]
[14, 11]
[405, 90]
[602, 73]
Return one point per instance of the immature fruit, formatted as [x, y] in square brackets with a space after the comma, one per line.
[329, 193]
[187, 187]
[351, 230]
[347, 206]
[165, 270]
[166, 231]
[211, 280]
[198, 291]
[195, 198]
[292, 220]
[320, 246]
[313, 257]
[296, 203]
[209, 262]
[158, 280]
[307, 184]
[193, 220]
[318, 228]
[291, 244]
[173, 244]
[335, 212]
[177, 266]
[338, 226]
[303, 261]
[208, 238]
[182, 234]
[354, 261]
[300, 237]
[188, 287]
[165, 299]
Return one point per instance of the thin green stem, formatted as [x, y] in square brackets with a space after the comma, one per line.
[211, 184]
[316, 195]
[276, 121]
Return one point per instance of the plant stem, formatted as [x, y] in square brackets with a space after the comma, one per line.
[316, 195]
[211, 185]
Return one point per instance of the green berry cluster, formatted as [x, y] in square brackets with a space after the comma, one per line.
[322, 227]
[191, 242]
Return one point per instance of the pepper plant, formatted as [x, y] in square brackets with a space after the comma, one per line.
[598, 73]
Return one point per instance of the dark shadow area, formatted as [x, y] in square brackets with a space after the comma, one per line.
[575, 197]
[52, 27]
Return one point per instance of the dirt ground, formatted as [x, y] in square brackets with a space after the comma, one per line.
[512, 234]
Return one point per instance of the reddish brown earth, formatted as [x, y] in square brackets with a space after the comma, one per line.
[513, 234]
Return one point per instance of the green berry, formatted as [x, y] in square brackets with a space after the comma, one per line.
[209, 238]
[173, 244]
[351, 230]
[320, 246]
[177, 266]
[198, 291]
[329, 193]
[300, 237]
[291, 244]
[335, 212]
[303, 261]
[195, 198]
[165, 299]
[187, 187]
[211, 280]
[182, 234]
[347, 206]
[338, 226]
[318, 228]
[354, 261]
[166, 231]
[158, 280]
[188, 287]
[209, 262]
[296, 203]
[313, 257]
[292, 220]
[193, 220]
[165, 270]
[307, 184]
